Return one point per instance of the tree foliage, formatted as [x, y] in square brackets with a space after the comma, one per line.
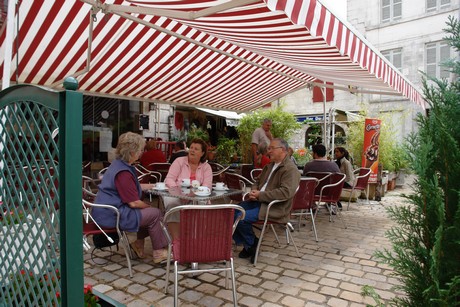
[284, 125]
[426, 242]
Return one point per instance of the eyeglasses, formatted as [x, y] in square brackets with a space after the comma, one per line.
[273, 147]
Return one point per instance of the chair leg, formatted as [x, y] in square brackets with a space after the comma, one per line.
[276, 235]
[313, 222]
[339, 214]
[259, 243]
[235, 303]
[167, 269]
[288, 233]
[176, 282]
[349, 199]
[125, 244]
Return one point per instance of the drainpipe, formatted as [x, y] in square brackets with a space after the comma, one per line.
[8, 44]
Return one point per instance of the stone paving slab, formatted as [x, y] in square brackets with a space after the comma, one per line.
[330, 272]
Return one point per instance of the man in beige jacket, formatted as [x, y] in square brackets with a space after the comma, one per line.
[278, 180]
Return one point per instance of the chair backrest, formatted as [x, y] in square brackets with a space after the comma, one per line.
[205, 233]
[332, 191]
[218, 176]
[235, 181]
[304, 197]
[323, 179]
[246, 171]
[363, 178]
[86, 168]
[162, 168]
[216, 167]
[255, 173]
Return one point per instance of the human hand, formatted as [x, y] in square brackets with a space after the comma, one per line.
[147, 186]
[254, 194]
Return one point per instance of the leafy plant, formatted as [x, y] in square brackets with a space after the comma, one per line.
[284, 124]
[426, 246]
[391, 154]
[197, 133]
[226, 149]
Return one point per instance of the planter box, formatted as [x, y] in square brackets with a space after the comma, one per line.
[20, 247]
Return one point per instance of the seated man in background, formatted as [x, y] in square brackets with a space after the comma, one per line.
[179, 151]
[278, 180]
[320, 162]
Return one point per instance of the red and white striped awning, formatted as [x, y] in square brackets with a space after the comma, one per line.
[232, 55]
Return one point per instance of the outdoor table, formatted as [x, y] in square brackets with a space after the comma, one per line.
[188, 194]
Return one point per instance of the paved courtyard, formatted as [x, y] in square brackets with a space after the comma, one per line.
[330, 272]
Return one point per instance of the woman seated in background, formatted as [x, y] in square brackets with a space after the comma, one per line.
[152, 154]
[262, 158]
[343, 161]
[120, 188]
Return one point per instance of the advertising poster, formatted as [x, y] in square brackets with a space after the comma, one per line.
[371, 146]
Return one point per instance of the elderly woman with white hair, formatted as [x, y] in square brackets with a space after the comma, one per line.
[121, 189]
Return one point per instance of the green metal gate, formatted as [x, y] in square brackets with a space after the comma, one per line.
[41, 256]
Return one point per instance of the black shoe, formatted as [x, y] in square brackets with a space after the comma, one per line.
[245, 253]
[339, 205]
[250, 252]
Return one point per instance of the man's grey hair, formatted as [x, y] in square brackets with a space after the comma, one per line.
[267, 120]
[283, 143]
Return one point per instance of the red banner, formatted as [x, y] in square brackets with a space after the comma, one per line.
[370, 157]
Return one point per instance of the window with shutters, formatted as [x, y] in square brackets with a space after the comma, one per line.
[391, 10]
[435, 54]
[394, 56]
[435, 5]
[318, 93]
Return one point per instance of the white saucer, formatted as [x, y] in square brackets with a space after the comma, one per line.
[158, 189]
[202, 194]
[220, 189]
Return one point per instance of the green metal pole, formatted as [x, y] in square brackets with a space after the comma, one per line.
[70, 163]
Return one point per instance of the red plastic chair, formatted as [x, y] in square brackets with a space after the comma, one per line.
[330, 194]
[237, 182]
[162, 168]
[246, 171]
[205, 236]
[90, 227]
[323, 179]
[303, 203]
[361, 183]
[255, 173]
[218, 171]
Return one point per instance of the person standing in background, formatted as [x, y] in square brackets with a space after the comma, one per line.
[261, 135]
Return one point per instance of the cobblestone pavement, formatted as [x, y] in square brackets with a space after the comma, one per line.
[330, 272]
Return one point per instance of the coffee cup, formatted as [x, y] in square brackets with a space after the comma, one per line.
[186, 182]
[220, 185]
[195, 183]
[203, 190]
[160, 185]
